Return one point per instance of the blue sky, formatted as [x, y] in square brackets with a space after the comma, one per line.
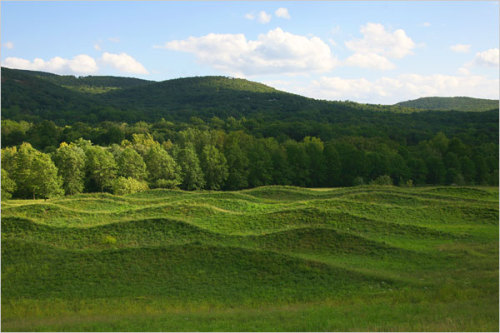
[377, 52]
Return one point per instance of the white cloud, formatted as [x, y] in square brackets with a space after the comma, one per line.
[460, 48]
[377, 45]
[426, 24]
[464, 70]
[80, 64]
[389, 90]
[8, 45]
[369, 60]
[97, 47]
[282, 13]
[376, 39]
[264, 17]
[124, 63]
[275, 52]
[488, 58]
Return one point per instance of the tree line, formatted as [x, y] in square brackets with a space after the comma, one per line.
[214, 159]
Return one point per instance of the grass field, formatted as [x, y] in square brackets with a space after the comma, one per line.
[265, 259]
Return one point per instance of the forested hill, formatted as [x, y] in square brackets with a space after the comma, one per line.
[83, 83]
[35, 96]
[452, 103]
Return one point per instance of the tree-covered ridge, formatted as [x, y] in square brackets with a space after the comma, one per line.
[36, 96]
[87, 81]
[32, 98]
[452, 103]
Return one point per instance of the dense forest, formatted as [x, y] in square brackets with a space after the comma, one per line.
[215, 159]
[66, 135]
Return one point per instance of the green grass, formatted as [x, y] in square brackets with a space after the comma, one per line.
[377, 258]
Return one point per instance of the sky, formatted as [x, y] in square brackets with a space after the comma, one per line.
[364, 51]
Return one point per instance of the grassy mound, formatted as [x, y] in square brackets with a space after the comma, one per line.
[147, 261]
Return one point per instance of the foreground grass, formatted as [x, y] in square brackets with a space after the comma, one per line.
[266, 259]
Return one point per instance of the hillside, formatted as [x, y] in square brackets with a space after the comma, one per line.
[213, 95]
[31, 96]
[452, 103]
[74, 82]
[36, 95]
[266, 259]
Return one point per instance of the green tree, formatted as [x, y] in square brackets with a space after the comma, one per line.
[332, 165]
[352, 161]
[237, 162]
[418, 170]
[162, 169]
[281, 170]
[192, 175]
[214, 166]
[468, 169]
[481, 169]
[8, 159]
[298, 161]
[143, 142]
[8, 185]
[317, 168]
[35, 174]
[382, 180]
[399, 169]
[70, 162]
[129, 185]
[100, 169]
[131, 164]
[440, 143]
[260, 169]
[44, 134]
[436, 170]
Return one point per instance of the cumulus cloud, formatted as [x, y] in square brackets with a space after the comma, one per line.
[124, 63]
[376, 39]
[275, 52]
[80, 64]
[282, 13]
[460, 48]
[377, 46]
[264, 17]
[487, 58]
[8, 45]
[389, 90]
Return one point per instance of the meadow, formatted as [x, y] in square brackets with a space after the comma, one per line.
[274, 258]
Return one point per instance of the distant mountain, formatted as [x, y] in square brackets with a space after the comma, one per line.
[211, 95]
[452, 103]
[32, 95]
[35, 96]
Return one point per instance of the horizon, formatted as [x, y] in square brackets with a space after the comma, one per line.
[375, 53]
